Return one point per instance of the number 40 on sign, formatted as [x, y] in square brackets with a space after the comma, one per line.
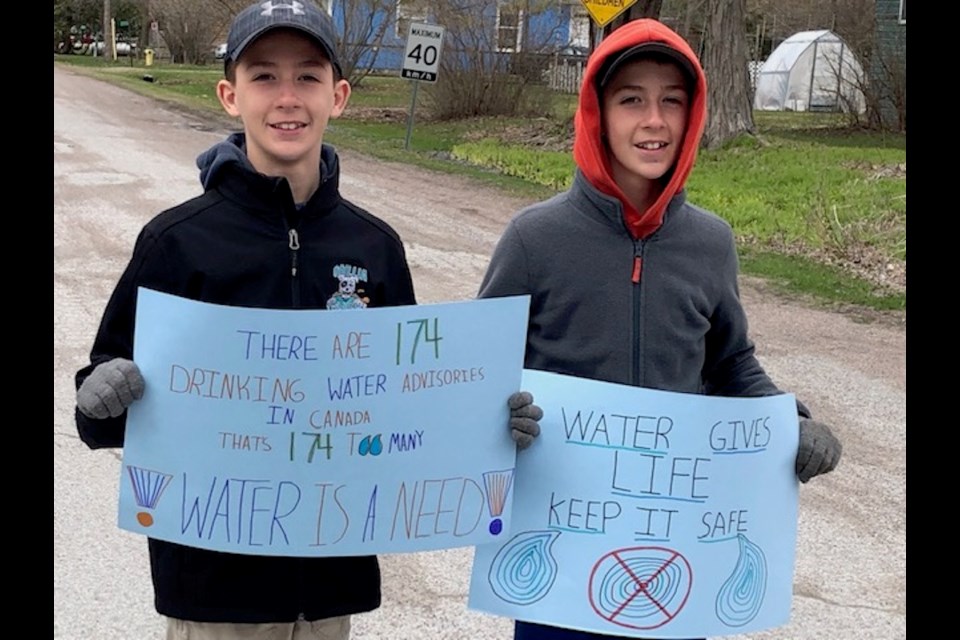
[421, 61]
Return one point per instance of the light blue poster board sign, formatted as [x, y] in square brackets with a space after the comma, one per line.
[648, 514]
[322, 433]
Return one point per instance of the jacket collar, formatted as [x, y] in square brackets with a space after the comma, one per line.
[224, 167]
[586, 197]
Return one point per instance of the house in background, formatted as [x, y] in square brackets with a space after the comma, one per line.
[491, 33]
[888, 70]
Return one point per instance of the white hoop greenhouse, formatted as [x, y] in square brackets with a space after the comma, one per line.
[811, 71]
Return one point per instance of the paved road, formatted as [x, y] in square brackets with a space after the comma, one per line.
[114, 168]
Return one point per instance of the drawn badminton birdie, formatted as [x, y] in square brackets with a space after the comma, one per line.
[497, 485]
[148, 487]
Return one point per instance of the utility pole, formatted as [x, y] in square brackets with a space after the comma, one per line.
[108, 32]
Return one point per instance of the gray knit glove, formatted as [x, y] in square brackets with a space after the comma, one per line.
[524, 416]
[110, 389]
[819, 450]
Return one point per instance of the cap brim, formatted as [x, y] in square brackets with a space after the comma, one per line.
[613, 65]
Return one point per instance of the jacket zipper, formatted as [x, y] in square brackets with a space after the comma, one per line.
[294, 245]
[637, 315]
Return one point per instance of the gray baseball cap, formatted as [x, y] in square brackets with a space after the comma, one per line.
[261, 17]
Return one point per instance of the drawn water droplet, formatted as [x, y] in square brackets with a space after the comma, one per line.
[524, 569]
[741, 596]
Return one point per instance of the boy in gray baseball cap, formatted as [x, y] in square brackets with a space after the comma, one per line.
[271, 230]
[283, 79]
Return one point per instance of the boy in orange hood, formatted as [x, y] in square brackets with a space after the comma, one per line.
[629, 282]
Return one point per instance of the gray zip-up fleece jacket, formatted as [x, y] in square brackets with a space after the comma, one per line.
[646, 298]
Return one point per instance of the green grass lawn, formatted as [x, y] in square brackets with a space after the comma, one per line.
[807, 196]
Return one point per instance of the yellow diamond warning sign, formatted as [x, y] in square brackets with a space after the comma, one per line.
[603, 11]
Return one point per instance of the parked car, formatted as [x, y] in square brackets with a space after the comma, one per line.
[574, 52]
[221, 51]
[124, 48]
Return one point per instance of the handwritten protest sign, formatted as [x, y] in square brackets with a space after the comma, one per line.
[313, 433]
[648, 514]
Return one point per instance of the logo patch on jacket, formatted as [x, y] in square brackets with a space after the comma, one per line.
[349, 293]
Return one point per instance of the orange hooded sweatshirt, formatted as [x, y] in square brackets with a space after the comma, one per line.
[591, 154]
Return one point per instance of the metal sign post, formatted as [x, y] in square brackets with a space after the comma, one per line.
[413, 107]
[421, 61]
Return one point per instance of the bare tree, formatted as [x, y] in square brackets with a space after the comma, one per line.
[365, 22]
[474, 76]
[885, 91]
[692, 22]
[850, 19]
[490, 67]
[232, 7]
[639, 9]
[190, 27]
[729, 97]
[74, 18]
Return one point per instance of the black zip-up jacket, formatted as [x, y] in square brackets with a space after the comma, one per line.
[245, 243]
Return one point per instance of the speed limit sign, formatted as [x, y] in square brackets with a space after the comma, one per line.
[421, 61]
